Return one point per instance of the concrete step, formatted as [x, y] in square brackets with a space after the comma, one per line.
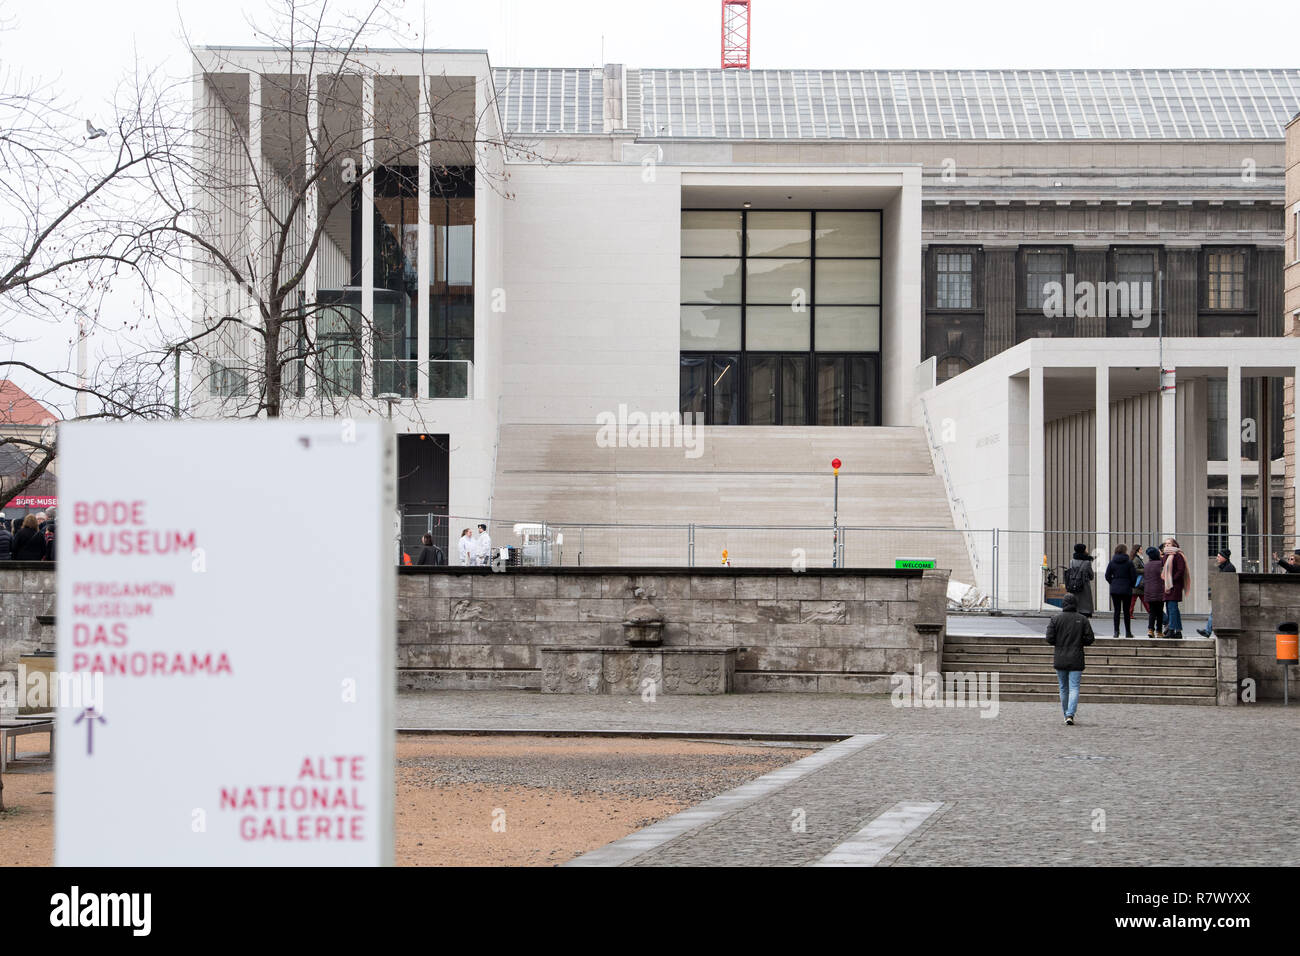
[1103, 666]
[1108, 689]
[1107, 680]
[1109, 650]
[1204, 645]
[1089, 698]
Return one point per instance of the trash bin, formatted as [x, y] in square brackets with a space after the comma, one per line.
[1288, 652]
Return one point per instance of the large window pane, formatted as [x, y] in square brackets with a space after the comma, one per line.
[794, 390]
[780, 234]
[694, 387]
[711, 233]
[848, 281]
[725, 375]
[709, 327]
[848, 234]
[776, 329]
[953, 280]
[777, 281]
[863, 374]
[711, 280]
[832, 391]
[1042, 268]
[763, 371]
[842, 328]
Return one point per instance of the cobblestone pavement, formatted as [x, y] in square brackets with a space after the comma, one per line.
[1128, 785]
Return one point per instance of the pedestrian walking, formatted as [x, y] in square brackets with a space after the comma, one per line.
[1223, 559]
[1069, 632]
[1177, 579]
[6, 541]
[29, 542]
[1122, 577]
[1079, 577]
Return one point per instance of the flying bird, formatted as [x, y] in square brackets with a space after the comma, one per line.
[93, 132]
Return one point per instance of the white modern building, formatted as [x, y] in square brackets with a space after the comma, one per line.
[853, 264]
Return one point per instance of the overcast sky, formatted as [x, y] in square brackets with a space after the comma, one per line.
[85, 46]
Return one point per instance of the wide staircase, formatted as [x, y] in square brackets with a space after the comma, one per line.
[767, 479]
[1117, 670]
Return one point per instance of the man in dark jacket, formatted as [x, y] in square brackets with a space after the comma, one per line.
[1225, 566]
[6, 542]
[1069, 632]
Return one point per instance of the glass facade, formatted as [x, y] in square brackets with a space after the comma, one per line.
[395, 333]
[780, 316]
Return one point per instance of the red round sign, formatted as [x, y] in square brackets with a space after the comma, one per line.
[835, 463]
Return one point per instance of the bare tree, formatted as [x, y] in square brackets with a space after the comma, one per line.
[75, 201]
[290, 147]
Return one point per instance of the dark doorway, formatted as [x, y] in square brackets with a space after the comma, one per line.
[423, 479]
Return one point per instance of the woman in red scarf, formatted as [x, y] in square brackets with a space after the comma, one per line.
[1177, 579]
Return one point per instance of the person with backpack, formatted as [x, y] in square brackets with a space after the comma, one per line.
[1078, 579]
[1122, 576]
[1069, 633]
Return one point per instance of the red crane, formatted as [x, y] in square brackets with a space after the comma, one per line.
[735, 34]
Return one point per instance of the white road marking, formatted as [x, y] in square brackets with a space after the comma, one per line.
[874, 842]
[657, 834]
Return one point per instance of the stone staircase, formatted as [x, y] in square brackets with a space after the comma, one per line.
[743, 476]
[1117, 671]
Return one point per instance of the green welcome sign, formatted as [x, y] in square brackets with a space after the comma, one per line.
[913, 564]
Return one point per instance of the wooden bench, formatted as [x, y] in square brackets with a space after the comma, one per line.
[11, 730]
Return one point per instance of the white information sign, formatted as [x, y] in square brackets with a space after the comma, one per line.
[232, 583]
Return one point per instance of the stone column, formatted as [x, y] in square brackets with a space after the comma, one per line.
[1168, 453]
[1234, 462]
[1102, 415]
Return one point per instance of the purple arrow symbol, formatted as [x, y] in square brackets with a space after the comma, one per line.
[90, 717]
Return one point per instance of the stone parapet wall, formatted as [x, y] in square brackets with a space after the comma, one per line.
[26, 592]
[818, 630]
[824, 630]
[1247, 610]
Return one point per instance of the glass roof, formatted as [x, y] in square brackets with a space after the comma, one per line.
[911, 104]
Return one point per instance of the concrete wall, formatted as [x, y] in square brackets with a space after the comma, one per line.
[842, 631]
[26, 590]
[592, 269]
[1247, 610]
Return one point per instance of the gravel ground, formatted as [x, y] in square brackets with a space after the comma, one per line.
[544, 800]
[550, 798]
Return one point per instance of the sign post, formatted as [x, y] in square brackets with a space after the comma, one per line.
[243, 660]
[835, 516]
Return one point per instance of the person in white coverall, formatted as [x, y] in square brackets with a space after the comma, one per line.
[483, 552]
[466, 547]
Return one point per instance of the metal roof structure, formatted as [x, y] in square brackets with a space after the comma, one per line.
[909, 104]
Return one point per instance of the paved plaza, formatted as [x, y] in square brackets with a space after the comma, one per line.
[1129, 785]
